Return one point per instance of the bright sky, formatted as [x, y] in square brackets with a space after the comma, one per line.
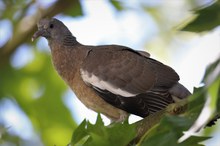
[102, 25]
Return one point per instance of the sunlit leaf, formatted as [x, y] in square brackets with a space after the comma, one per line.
[79, 133]
[207, 19]
[117, 4]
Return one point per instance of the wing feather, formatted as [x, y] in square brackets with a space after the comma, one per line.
[128, 79]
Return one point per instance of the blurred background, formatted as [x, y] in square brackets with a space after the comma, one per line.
[37, 108]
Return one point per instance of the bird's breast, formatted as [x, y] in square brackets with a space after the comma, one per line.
[68, 64]
[91, 100]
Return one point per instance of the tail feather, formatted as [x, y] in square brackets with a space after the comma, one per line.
[179, 91]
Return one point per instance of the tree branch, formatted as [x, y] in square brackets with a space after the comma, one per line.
[26, 27]
[147, 123]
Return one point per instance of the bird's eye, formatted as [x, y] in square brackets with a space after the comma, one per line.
[51, 26]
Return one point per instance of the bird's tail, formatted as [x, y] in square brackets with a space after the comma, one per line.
[179, 91]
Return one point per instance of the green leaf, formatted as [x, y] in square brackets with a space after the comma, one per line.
[79, 133]
[213, 91]
[196, 102]
[99, 121]
[169, 131]
[117, 4]
[194, 141]
[212, 80]
[75, 11]
[210, 69]
[119, 134]
[207, 19]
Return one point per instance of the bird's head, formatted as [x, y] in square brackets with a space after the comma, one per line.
[51, 29]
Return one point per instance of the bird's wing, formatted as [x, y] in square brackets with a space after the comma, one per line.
[123, 77]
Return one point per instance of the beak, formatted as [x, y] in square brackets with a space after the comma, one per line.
[37, 34]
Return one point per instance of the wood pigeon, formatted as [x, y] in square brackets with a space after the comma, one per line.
[111, 79]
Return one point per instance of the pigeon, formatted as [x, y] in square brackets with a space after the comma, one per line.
[113, 80]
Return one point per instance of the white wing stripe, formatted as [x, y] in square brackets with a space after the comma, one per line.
[95, 81]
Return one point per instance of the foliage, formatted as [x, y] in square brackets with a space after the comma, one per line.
[98, 134]
[38, 91]
[35, 87]
[207, 18]
[170, 128]
[28, 87]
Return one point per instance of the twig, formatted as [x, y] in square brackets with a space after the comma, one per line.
[147, 123]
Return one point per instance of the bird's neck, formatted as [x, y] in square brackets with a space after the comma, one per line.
[67, 57]
[67, 40]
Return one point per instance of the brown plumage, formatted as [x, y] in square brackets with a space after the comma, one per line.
[111, 79]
